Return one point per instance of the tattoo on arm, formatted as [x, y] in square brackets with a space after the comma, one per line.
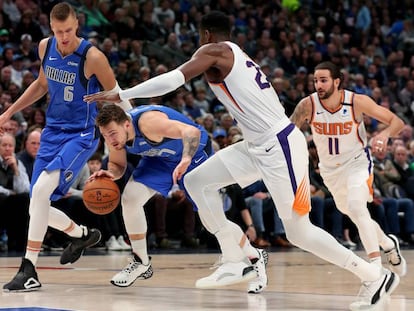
[190, 145]
[300, 115]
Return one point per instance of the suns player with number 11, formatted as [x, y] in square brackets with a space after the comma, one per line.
[273, 149]
[335, 116]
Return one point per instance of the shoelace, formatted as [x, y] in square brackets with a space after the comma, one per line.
[131, 266]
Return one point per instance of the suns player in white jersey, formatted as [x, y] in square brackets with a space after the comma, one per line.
[336, 119]
[273, 149]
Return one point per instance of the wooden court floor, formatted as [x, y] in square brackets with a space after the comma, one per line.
[297, 281]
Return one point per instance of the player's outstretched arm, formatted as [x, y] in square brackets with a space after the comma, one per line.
[205, 57]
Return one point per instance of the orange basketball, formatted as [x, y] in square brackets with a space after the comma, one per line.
[101, 195]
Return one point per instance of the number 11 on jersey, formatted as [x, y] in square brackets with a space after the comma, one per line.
[333, 145]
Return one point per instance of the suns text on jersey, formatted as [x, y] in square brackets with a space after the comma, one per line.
[337, 128]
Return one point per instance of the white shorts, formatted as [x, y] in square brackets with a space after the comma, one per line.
[282, 163]
[351, 179]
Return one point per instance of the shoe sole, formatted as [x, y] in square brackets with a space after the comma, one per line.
[250, 275]
[403, 263]
[5, 290]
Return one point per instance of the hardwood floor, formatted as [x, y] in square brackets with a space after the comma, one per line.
[297, 281]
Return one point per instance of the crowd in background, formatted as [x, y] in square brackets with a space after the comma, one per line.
[372, 41]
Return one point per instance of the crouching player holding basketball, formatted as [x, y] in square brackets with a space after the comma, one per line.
[170, 145]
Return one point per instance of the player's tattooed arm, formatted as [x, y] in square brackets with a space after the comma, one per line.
[302, 112]
[190, 145]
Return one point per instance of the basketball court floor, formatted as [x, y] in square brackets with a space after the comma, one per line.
[297, 281]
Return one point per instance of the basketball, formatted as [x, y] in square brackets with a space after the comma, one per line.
[101, 195]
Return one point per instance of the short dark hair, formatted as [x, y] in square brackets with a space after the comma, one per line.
[216, 22]
[333, 69]
[62, 11]
[96, 157]
[109, 113]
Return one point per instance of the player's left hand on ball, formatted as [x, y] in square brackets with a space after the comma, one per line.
[101, 173]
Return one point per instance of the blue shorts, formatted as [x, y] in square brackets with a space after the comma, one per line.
[64, 151]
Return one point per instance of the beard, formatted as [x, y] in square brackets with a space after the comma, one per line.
[326, 94]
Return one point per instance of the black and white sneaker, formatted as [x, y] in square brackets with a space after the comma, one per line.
[134, 270]
[258, 284]
[373, 294]
[395, 259]
[76, 248]
[25, 280]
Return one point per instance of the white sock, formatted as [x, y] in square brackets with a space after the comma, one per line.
[139, 247]
[376, 261]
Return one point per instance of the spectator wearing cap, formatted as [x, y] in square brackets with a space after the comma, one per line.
[17, 70]
[28, 52]
[218, 111]
[301, 75]
[220, 136]
[4, 39]
[320, 44]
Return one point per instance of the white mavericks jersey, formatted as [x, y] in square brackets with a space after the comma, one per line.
[338, 136]
[250, 98]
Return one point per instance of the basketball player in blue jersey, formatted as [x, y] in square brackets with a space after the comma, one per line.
[335, 116]
[273, 150]
[171, 145]
[71, 68]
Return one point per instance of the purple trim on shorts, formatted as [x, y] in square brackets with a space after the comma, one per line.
[369, 160]
[282, 136]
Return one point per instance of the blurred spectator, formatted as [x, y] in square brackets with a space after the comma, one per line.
[45, 25]
[94, 17]
[220, 136]
[12, 11]
[190, 107]
[14, 194]
[4, 39]
[31, 145]
[27, 25]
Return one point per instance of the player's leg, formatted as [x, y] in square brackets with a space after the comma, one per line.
[26, 279]
[71, 159]
[203, 184]
[351, 194]
[291, 194]
[134, 196]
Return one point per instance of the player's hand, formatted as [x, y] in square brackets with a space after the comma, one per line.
[379, 142]
[3, 119]
[100, 173]
[105, 96]
[180, 169]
